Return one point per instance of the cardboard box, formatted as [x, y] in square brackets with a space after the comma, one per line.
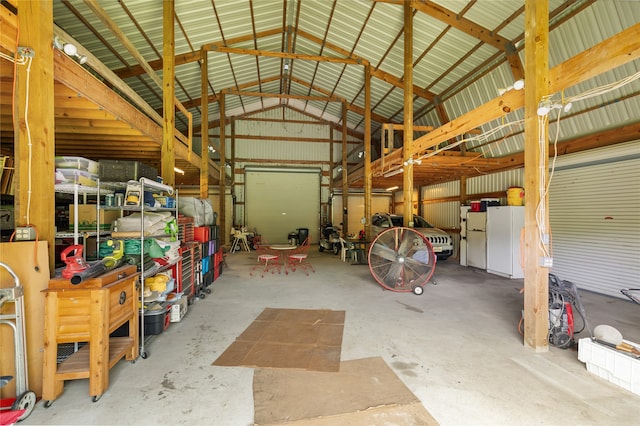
[179, 309]
[87, 217]
[610, 364]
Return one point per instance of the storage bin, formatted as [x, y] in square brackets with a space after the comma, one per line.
[201, 233]
[610, 364]
[73, 176]
[125, 170]
[155, 321]
[78, 163]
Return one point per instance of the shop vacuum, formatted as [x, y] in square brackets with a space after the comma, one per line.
[564, 307]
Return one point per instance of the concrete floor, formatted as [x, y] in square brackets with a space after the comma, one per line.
[456, 347]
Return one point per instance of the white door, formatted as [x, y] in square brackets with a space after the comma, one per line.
[594, 213]
[279, 201]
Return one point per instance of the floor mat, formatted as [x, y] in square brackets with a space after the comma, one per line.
[365, 392]
[289, 338]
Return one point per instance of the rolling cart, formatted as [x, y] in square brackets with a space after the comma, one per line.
[19, 408]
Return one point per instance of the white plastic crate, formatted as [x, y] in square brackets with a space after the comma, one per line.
[610, 364]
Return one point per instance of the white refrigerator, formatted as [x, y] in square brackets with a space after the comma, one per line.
[504, 227]
[476, 240]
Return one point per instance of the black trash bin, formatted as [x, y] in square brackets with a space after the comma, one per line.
[303, 233]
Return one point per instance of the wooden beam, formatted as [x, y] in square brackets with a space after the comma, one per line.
[223, 172]
[168, 94]
[204, 125]
[285, 55]
[458, 22]
[536, 221]
[608, 54]
[103, 16]
[345, 176]
[368, 181]
[71, 74]
[34, 147]
[407, 145]
[280, 95]
[111, 77]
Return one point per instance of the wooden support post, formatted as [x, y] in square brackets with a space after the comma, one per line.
[407, 146]
[232, 160]
[345, 177]
[35, 145]
[168, 94]
[204, 124]
[223, 172]
[536, 278]
[331, 162]
[368, 177]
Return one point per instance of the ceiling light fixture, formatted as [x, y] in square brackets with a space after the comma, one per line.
[411, 161]
[517, 85]
[393, 188]
[360, 154]
[546, 105]
[286, 65]
[70, 49]
[177, 170]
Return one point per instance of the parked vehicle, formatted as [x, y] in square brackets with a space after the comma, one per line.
[329, 239]
[440, 240]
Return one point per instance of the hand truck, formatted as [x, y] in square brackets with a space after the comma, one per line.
[19, 408]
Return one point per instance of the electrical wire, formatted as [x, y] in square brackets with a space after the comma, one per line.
[603, 89]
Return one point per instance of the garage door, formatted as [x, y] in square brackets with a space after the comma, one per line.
[594, 212]
[279, 201]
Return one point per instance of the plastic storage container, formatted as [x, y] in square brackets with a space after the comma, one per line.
[610, 364]
[77, 163]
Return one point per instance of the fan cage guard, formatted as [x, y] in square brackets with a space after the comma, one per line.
[401, 259]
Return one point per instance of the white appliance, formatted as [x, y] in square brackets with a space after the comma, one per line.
[476, 240]
[504, 226]
[463, 234]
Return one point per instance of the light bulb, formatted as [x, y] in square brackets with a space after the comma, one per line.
[567, 107]
[70, 49]
[543, 110]
[82, 59]
[518, 84]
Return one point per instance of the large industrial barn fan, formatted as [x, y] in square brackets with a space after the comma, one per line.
[402, 259]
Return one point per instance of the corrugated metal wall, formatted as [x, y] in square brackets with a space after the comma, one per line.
[274, 152]
[594, 213]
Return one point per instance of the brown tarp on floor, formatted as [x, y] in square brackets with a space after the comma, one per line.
[365, 392]
[289, 338]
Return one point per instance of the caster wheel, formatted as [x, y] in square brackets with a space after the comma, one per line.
[208, 291]
[201, 295]
[96, 398]
[48, 404]
[144, 355]
[26, 401]
[418, 290]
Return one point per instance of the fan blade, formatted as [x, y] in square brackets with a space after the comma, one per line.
[381, 250]
[406, 244]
